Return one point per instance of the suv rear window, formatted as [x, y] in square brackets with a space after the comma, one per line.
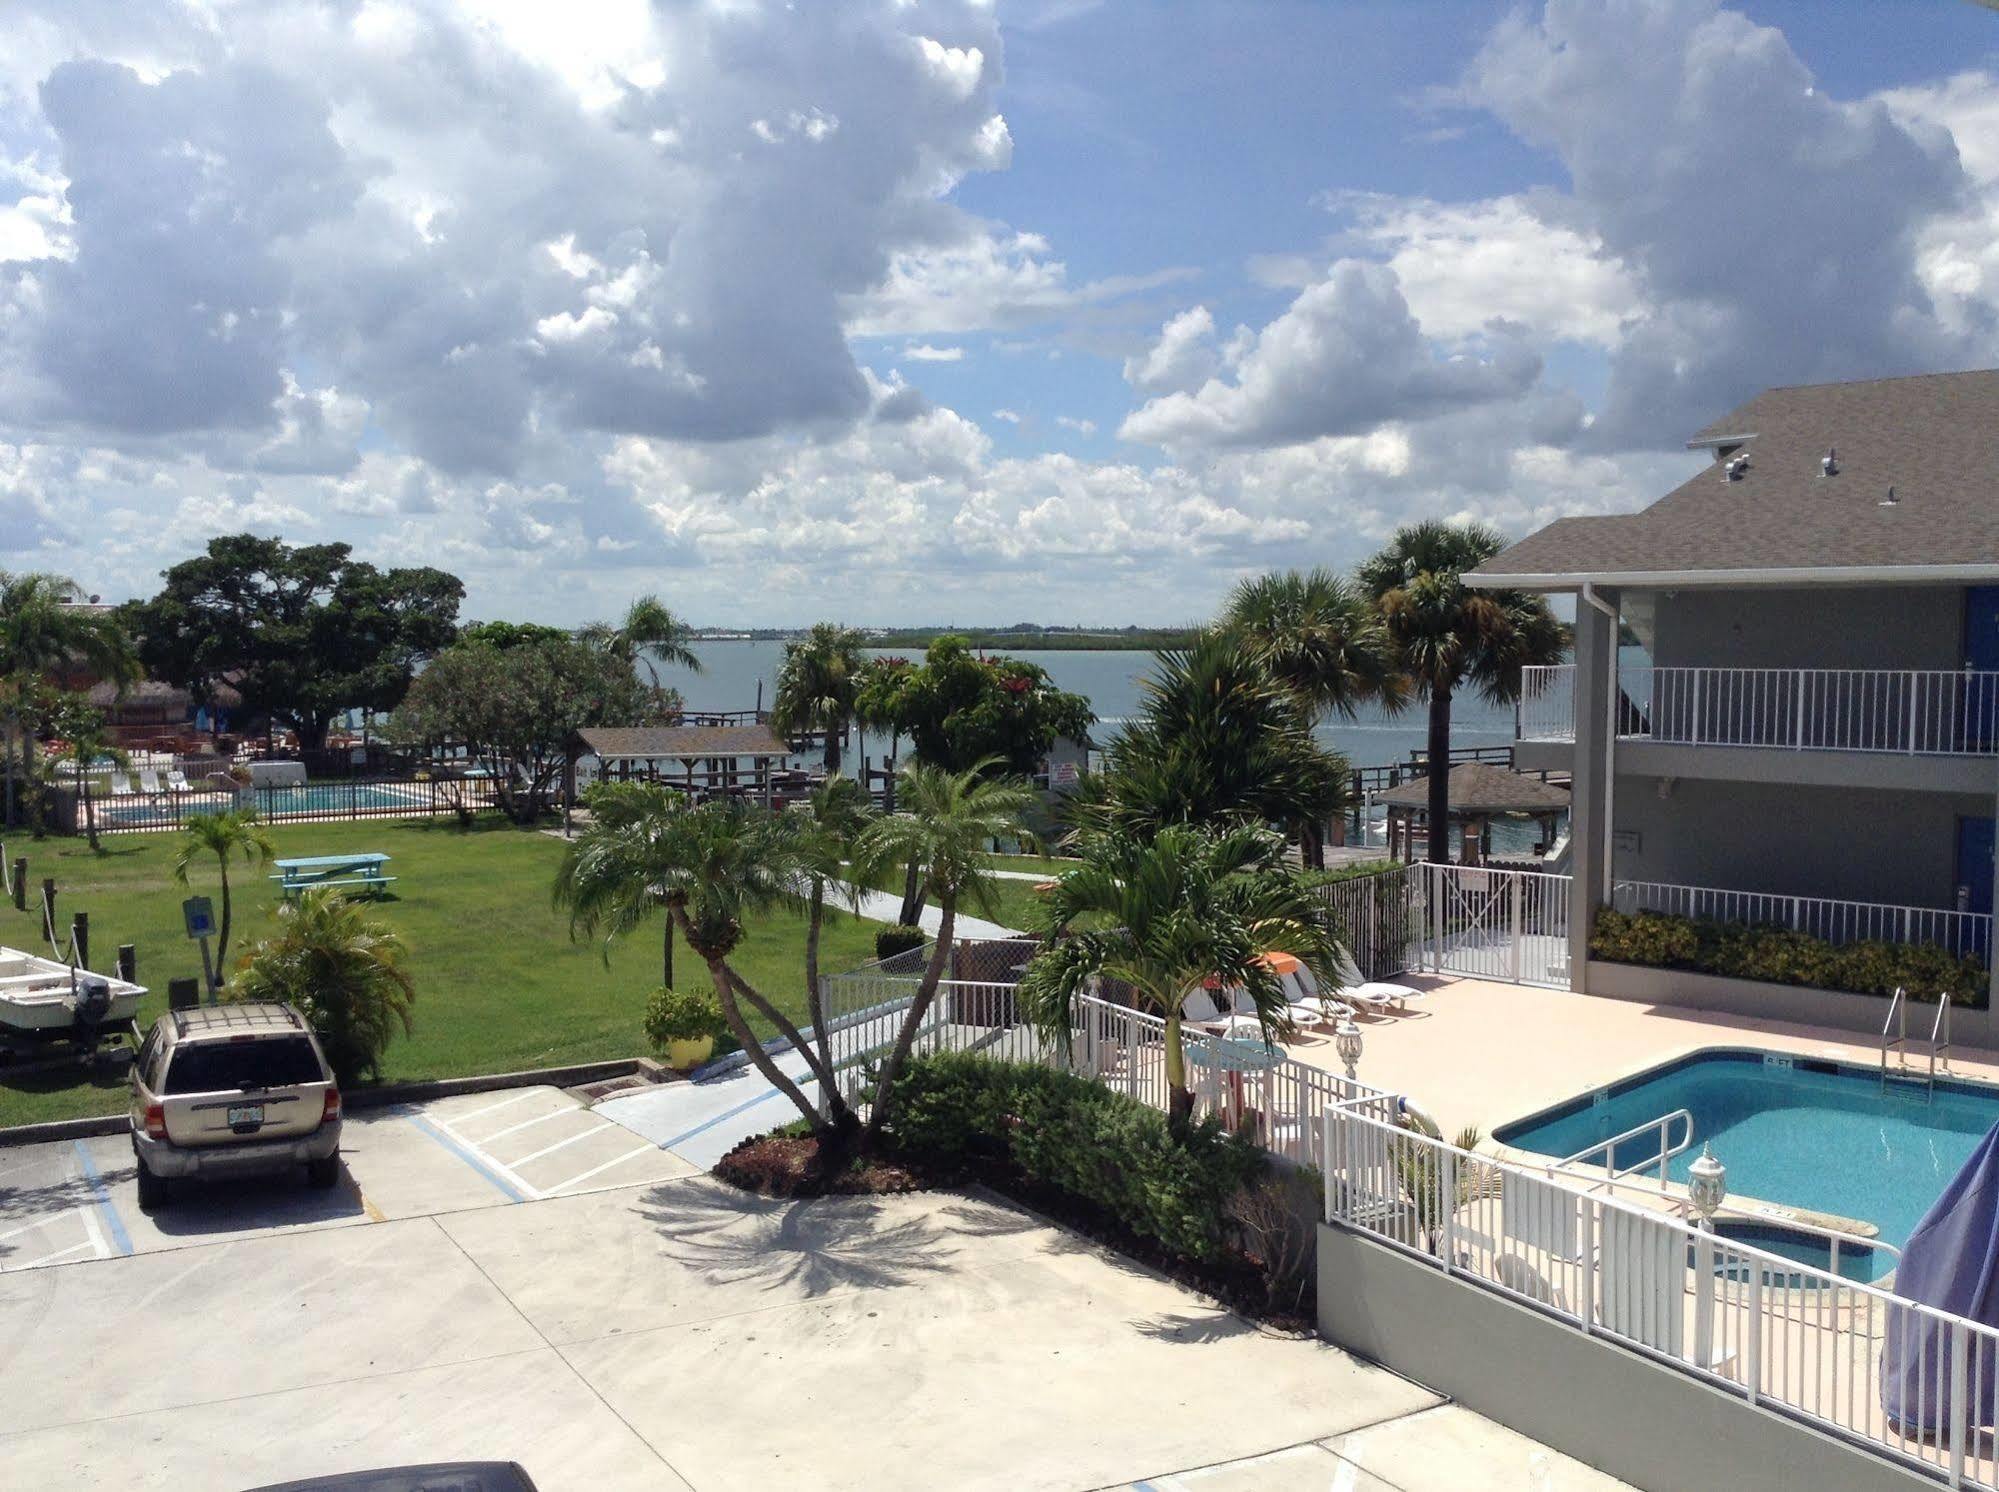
[225, 1066]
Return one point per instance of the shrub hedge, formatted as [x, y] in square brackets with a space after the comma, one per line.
[955, 1109]
[899, 938]
[1778, 955]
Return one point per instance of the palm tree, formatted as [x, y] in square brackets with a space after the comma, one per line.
[1449, 636]
[1216, 738]
[223, 835]
[88, 742]
[1163, 915]
[1320, 637]
[44, 631]
[615, 873]
[816, 685]
[342, 970]
[649, 634]
[832, 853]
[945, 821]
[713, 866]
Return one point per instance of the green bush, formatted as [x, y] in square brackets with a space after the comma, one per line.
[1067, 1132]
[899, 939]
[673, 1015]
[1780, 955]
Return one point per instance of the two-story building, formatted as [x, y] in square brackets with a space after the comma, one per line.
[1802, 725]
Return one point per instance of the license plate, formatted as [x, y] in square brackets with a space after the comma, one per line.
[246, 1113]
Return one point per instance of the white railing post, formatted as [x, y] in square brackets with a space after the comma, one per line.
[1447, 1204]
[1959, 1410]
[1798, 725]
[1519, 886]
[1752, 1349]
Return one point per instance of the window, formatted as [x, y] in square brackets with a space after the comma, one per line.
[228, 1066]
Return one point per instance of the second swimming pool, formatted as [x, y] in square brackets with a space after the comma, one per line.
[1793, 1130]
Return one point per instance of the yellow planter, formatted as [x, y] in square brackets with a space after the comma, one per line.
[681, 1055]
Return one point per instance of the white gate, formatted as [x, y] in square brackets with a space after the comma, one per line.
[1506, 925]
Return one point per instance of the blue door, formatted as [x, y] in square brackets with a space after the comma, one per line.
[1981, 656]
[1974, 862]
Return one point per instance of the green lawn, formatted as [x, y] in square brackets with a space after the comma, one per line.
[499, 983]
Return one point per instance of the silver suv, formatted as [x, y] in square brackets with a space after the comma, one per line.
[232, 1090]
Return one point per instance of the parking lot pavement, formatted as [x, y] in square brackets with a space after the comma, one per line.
[73, 1200]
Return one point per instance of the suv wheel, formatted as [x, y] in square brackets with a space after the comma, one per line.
[324, 1172]
[154, 1191]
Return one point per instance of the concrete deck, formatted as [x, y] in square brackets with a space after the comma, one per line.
[1484, 1054]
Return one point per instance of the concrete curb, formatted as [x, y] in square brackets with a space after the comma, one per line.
[373, 1098]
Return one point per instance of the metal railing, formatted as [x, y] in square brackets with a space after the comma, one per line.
[1927, 712]
[347, 798]
[1963, 934]
[1662, 1127]
[1506, 925]
[1901, 1380]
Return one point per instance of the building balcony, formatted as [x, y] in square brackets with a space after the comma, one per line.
[1908, 712]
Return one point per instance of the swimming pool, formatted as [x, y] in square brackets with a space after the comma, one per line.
[272, 802]
[1793, 1130]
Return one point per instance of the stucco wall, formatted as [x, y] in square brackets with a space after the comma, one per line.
[1620, 1412]
[1852, 843]
[1848, 627]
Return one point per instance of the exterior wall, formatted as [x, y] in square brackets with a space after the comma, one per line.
[1854, 844]
[1851, 627]
[1612, 1408]
[1753, 1000]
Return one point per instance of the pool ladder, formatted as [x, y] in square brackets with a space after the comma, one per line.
[1895, 1038]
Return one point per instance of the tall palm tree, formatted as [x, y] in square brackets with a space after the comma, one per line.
[46, 631]
[87, 743]
[1450, 636]
[1320, 637]
[344, 972]
[943, 824]
[1163, 915]
[713, 866]
[1215, 738]
[223, 835]
[649, 634]
[817, 684]
[834, 857]
[618, 871]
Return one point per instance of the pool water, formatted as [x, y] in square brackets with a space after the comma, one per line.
[1805, 1133]
[312, 797]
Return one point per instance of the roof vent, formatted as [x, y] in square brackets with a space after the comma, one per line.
[1736, 466]
[1889, 501]
[1829, 462]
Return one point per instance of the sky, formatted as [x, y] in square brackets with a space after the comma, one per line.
[907, 311]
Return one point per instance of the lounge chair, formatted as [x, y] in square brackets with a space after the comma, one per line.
[1200, 1011]
[120, 783]
[1372, 995]
[149, 780]
[177, 780]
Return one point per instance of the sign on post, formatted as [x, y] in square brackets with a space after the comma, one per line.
[199, 914]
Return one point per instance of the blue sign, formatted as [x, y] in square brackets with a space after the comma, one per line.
[200, 915]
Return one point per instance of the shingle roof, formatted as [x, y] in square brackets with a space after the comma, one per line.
[1934, 438]
[644, 742]
[1482, 787]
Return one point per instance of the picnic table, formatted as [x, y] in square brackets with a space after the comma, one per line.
[306, 872]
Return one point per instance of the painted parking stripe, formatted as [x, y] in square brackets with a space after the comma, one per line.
[466, 1153]
[646, 1149]
[75, 1248]
[113, 1224]
[524, 1124]
[493, 1108]
[595, 1129]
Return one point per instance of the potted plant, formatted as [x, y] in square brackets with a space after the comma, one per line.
[683, 1026]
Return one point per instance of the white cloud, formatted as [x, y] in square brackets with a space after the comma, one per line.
[923, 352]
[1184, 357]
[1007, 415]
[1080, 426]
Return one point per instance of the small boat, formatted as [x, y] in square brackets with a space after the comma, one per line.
[43, 999]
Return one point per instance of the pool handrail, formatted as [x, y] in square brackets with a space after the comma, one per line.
[1667, 1149]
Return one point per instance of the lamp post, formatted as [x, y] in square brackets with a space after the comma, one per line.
[1346, 1041]
[1707, 1184]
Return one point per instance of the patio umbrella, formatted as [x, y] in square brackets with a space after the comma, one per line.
[1951, 1262]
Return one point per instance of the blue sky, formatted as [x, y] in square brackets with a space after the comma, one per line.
[884, 312]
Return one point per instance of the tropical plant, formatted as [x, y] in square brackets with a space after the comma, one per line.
[647, 635]
[225, 836]
[86, 742]
[817, 685]
[898, 938]
[830, 845]
[342, 970]
[1216, 739]
[1450, 636]
[46, 633]
[617, 871]
[1320, 637]
[943, 825]
[960, 710]
[1163, 916]
[681, 1015]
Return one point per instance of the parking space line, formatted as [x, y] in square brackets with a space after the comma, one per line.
[75, 1248]
[505, 1103]
[40, 1222]
[515, 1189]
[628, 1155]
[595, 1129]
[113, 1224]
[524, 1124]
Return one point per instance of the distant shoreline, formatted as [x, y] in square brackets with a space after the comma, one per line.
[1130, 641]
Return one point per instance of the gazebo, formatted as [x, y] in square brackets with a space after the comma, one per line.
[1479, 793]
[730, 758]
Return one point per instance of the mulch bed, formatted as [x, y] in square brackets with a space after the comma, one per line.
[778, 1165]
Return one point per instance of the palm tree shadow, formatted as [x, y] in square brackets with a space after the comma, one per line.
[1186, 1329]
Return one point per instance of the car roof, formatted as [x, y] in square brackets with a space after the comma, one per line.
[250, 1018]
